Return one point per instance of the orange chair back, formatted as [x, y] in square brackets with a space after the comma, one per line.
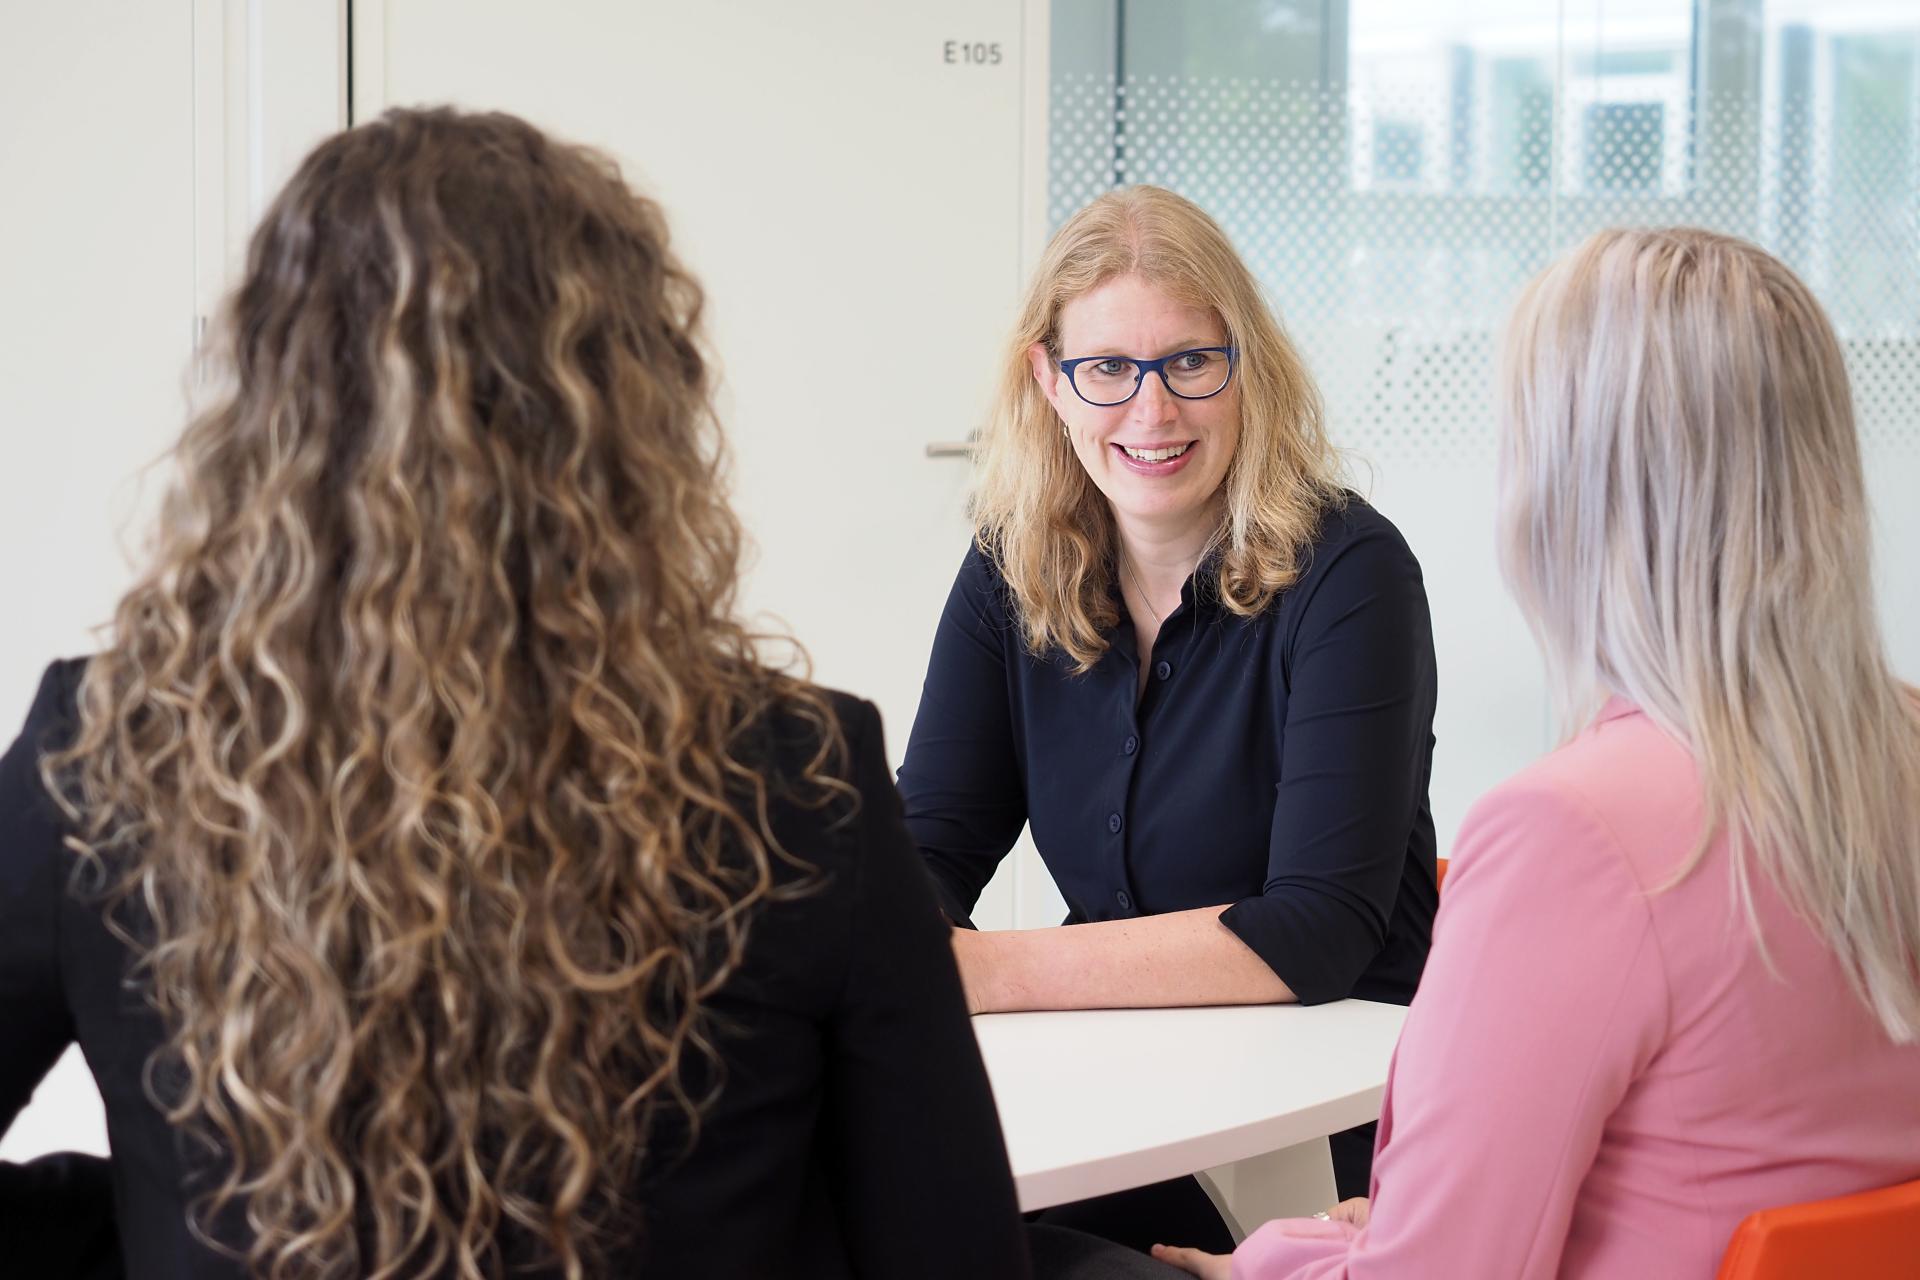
[1439, 872]
[1874, 1235]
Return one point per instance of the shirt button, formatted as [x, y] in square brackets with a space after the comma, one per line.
[1126, 902]
[1162, 669]
[1113, 823]
[1131, 745]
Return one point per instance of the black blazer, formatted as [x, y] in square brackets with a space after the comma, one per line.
[855, 1134]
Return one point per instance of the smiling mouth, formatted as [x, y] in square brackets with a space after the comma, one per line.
[1156, 455]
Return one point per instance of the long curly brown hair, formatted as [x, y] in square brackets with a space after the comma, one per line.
[419, 769]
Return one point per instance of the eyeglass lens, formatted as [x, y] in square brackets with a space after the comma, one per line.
[1193, 375]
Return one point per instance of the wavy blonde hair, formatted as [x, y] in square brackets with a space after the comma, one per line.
[1038, 513]
[1684, 521]
[422, 767]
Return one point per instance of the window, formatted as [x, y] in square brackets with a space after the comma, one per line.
[1394, 169]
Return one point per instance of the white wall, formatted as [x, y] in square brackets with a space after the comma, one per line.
[140, 143]
[98, 286]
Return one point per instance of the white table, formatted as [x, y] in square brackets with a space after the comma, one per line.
[1099, 1100]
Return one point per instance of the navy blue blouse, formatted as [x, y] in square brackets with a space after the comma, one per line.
[1278, 763]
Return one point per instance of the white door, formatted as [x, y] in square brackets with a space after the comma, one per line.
[849, 179]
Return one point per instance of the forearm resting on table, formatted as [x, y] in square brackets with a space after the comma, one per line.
[1181, 958]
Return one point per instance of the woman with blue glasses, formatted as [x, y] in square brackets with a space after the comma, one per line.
[1194, 665]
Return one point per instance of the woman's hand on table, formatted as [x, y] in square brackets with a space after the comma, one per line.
[1197, 1262]
[1219, 1266]
[1356, 1211]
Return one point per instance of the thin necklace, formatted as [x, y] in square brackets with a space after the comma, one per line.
[1126, 567]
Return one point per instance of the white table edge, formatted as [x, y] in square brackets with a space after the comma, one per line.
[1044, 1188]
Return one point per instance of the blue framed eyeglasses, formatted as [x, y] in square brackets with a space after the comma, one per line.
[1195, 374]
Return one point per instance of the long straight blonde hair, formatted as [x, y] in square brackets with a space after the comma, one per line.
[1684, 522]
[1038, 513]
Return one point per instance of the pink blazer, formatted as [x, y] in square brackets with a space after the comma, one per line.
[1600, 1080]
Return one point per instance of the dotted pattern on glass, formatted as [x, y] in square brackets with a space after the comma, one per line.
[1393, 229]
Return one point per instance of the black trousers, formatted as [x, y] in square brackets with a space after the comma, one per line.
[1179, 1212]
[1353, 1160]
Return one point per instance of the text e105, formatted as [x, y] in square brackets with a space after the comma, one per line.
[978, 53]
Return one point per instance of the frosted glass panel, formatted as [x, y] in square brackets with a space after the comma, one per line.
[1393, 169]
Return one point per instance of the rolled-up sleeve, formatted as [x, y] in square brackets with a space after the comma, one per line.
[961, 780]
[1359, 682]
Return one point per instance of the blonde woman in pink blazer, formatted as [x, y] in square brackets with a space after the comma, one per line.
[1676, 972]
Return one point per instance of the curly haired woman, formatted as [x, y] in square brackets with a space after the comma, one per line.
[434, 878]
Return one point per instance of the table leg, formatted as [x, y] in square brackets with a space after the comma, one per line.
[1292, 1182]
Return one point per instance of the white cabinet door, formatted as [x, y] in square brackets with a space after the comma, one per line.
[850, 180]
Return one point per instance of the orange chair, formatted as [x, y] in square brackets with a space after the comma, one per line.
[1439, 872]
[1874, 1235]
